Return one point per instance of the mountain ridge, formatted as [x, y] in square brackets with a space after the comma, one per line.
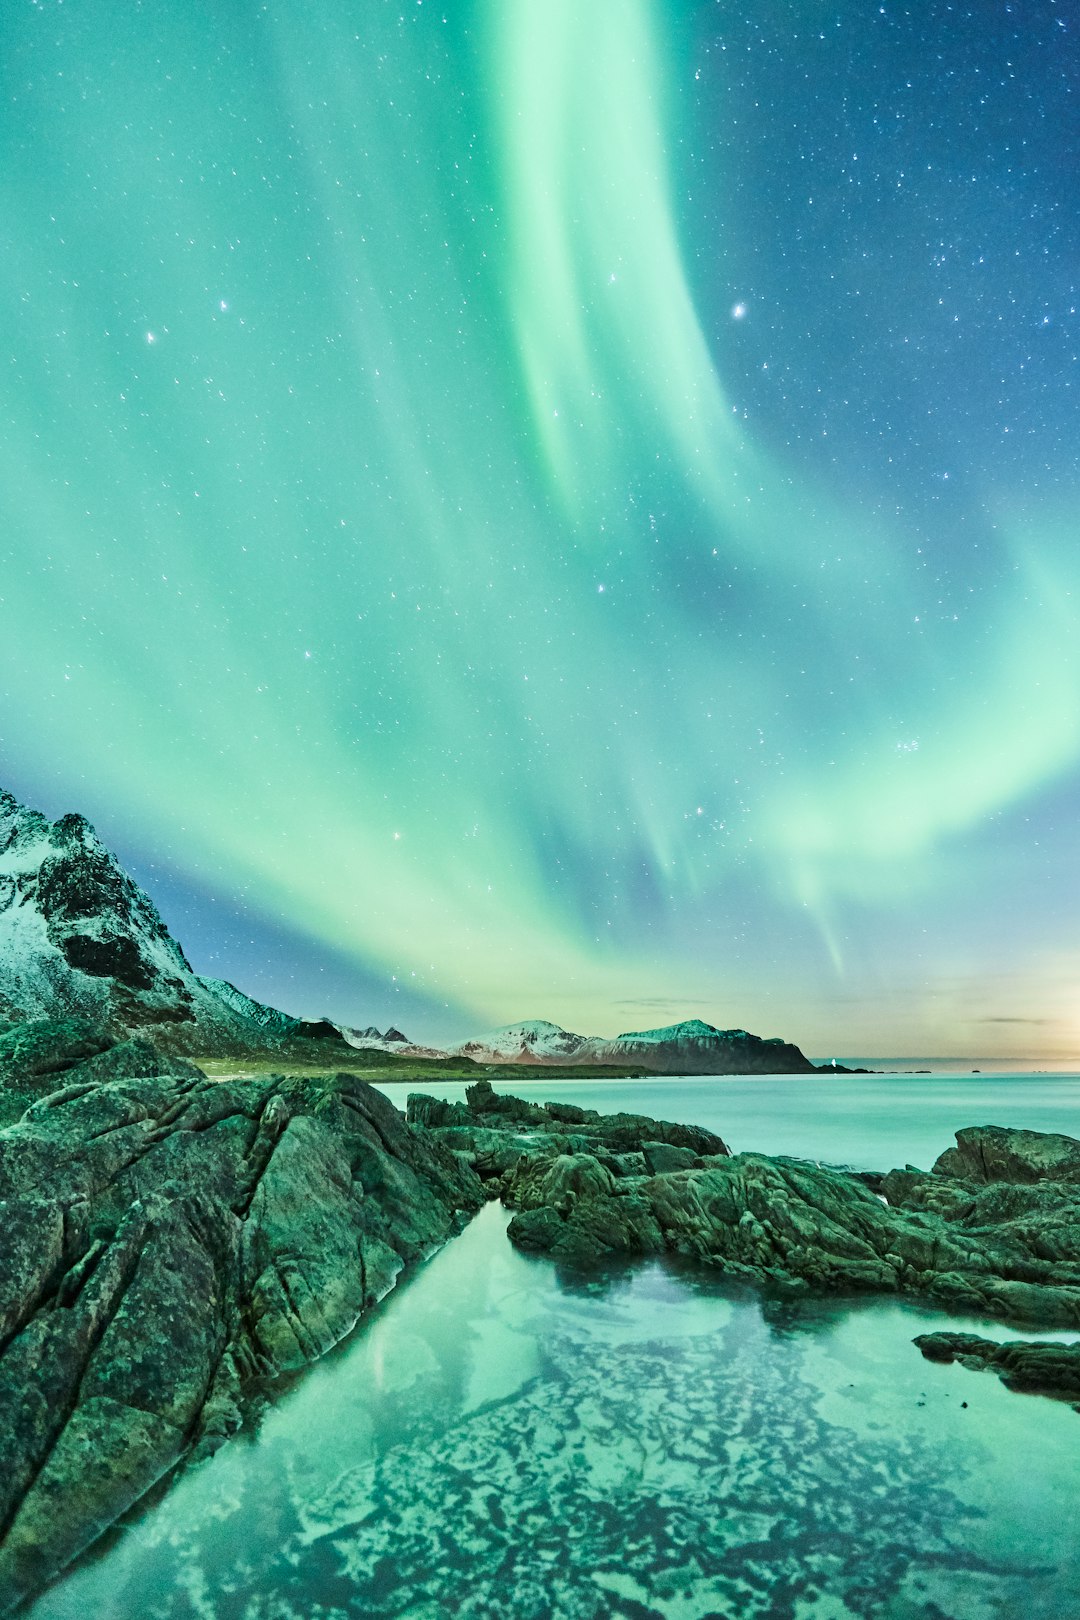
[688, 1047]
[80, 938]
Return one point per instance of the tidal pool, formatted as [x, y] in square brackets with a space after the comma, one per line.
[500, 1439]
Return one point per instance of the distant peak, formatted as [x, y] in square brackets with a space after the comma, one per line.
[689, 1029]
[531, 1026]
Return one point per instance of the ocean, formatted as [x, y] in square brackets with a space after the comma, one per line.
[499, 1438]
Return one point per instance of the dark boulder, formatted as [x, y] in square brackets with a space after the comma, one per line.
[35, 1051]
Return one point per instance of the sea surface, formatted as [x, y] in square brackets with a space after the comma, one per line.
[870, 1122]
[500, 1439]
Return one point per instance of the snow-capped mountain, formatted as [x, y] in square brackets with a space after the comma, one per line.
[692, 1047]
[532, 1041]
[78, 937]
[393, 1040]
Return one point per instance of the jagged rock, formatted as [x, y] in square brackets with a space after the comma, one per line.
[42, 1056]
[618, 1133]
[1035, 1367]
[661, 1157]
[508, 1140]
[592, 1186]
[598, 1226]
[482, 1098]
[992, 1153]
[165, 1239]
[41, 1048]
[560, 1182]
[425, 1110]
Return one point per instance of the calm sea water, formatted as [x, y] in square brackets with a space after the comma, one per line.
[872, 1122]
[499, 1440]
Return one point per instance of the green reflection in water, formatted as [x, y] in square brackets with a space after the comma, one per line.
[499, 1440]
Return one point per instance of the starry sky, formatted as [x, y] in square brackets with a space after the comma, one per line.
[523, 508]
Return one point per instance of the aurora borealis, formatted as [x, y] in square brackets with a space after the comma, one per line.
[529, 508]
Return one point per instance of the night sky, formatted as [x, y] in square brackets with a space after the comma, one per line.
[535, 508]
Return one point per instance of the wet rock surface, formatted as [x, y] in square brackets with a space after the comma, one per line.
[167, 1242]
[587, 1187]
[990, 1153]
[1034, 1367]
[170, 1242]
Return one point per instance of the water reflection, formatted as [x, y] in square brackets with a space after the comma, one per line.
[645, 1442]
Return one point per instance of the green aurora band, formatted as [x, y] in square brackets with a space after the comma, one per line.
[381, 542]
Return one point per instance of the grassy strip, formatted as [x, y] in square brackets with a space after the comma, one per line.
[384, 1066]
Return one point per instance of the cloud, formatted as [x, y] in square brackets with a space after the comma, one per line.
[993, 1020]
[661, 1001]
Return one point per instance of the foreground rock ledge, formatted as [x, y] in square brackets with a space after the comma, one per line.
[167, 1240]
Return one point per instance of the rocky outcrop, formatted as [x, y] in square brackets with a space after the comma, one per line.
[505, 1139]
[586, 1187]
[692, 1047]
[167, 1240]
[79, 938]
[990, 1153]
[1034, 1367]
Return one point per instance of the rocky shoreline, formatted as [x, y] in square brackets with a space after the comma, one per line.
[993, 1228]
[171, 1242]
[168, 1241]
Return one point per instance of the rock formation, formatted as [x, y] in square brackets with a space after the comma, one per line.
[169, 1241]
[586, 1187]
[166, 1240]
